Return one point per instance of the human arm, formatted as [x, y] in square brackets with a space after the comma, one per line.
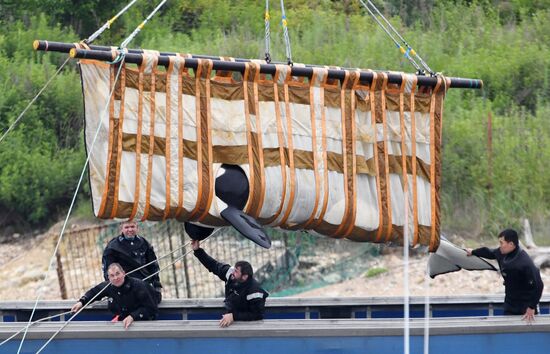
[147, 308]
[77, 306]
[534, 287]
[529, 315]
[127, 321]
[96, 293]
[218, 268]
[227, 320]
[484, 252]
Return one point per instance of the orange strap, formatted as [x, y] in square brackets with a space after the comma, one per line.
[352, 140]
[205, 188]
[138, 139]
[106, 206]
[313, 120]
[255, 151]
[280, 138]
[152, 114]
[373, 106]
[290, 150]
[436, 105]
[181, 72]
[122, 95]
[387, 183]
[323, 85]
[168, 136]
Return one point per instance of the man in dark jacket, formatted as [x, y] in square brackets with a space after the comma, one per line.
[132, 251]
[130, 299]
[244, 298]
[522, 282]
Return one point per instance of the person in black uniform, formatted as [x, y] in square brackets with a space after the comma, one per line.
[130, 299]
[522, 282]
[244, 298]
[132, 251]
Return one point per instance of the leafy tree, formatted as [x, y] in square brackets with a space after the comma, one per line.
[504, 43]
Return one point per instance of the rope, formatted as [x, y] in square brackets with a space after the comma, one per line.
[40, 320]
[285, 32]
[89, 302]
[409, 48]
[108, 24]
[87, 41]
[405, 53]
[141, 25]
[68, 214]
[130, 272]
[70, 319]
[34, 99]
[164, 256]
[121, 54]
[180, 257]
[267, 33]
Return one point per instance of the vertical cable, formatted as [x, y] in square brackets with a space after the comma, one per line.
[427, 310]
[33, 100]
[285, 32]
[108, 24]
[67, 217]
[141, 25]
[267, 33]
[87, 41]
[406, 53]
[409, 48]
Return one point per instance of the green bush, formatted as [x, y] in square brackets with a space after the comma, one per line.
[506, 44]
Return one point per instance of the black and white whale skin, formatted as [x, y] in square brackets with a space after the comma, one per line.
[232, 188]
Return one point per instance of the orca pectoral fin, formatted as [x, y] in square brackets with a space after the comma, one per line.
[450, 258]
[197, 232]
[438, 265]
[247, 226]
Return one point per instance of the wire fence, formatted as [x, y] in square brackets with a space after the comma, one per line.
[295, 261]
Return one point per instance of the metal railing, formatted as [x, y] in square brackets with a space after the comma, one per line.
[295, 262]
[79, 258]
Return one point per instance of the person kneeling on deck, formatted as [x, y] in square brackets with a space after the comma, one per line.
[244, 298]
[130, 299]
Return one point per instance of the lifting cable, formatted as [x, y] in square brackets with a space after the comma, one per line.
[406, 52]
[70, 209]
[409, 48]
[427, 310]
[141, 25]
[105, 287]
[119, 59]
[34, 99]
[267, 33]
[108, 24]
[89, 40]
[285, 33]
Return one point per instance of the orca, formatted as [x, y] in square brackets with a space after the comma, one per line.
[232, 188]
